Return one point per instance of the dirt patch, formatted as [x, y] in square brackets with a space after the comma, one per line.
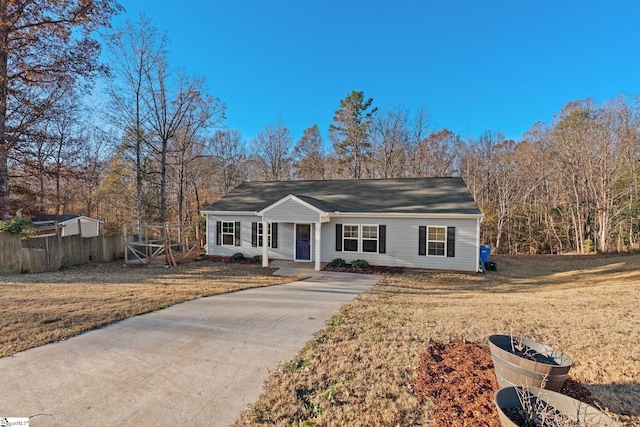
[458, 378]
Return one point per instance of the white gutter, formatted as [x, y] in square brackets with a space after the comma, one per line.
[405, 215]
[229, 213]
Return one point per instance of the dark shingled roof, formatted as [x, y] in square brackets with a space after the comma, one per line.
[59, 218]
[402, 195]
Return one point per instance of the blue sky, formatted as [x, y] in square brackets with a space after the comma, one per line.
[473, 65]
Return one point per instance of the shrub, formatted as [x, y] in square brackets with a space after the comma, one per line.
[359, 263]
[237, 257]
[338, 262]
[257, 259]
[19, 224]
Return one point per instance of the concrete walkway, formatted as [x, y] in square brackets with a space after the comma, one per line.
[199, 363]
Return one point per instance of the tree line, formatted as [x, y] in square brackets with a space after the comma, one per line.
[158, 149]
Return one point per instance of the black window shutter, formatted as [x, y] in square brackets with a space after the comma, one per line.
[237, 234]
[254, 234]
[219, 233]
[274, 235]
[382, 239]
[339, 237]
[422, 240]
[451, 241]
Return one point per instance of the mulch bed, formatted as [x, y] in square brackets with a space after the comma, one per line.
[372, 269]
[225, 259]
[458, 378]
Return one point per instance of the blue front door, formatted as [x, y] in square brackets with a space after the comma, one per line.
[303, 241]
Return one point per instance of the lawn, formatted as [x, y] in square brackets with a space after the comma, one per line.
[41, 308]
[359, 370]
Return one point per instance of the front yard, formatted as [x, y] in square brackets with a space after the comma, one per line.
[42, 308]
[361, 369]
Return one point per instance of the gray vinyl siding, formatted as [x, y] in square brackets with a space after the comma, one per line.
[285, 238]
[289, 210]
[402, 243]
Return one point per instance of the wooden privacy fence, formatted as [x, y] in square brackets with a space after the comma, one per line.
[53, 253]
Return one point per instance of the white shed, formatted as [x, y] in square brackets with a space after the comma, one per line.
[73, 224]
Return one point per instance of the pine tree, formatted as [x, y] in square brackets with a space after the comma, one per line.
[350, 134]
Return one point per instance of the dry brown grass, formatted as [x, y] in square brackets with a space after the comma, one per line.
[359, 370]
[40, 308]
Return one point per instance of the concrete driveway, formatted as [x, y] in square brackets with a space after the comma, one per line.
[199, 363]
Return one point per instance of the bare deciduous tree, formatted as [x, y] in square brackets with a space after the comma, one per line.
[135, 49]
[44, 46]
[271, 148]
[390, 135]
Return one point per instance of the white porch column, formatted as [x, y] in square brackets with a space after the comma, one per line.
[265, 244]
[318, 227]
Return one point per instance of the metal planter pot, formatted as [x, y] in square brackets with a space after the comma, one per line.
[531, 364]
[584, 415]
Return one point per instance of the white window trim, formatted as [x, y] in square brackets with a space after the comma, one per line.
[437, 241]
[260, 236]
[357, 251]
[232, 234]
[362, 238]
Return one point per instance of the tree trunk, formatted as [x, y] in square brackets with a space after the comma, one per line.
[181, 191]
[4, 143]
[163, 181]
[138, 150]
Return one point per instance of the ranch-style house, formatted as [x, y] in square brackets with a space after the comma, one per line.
[431, 223]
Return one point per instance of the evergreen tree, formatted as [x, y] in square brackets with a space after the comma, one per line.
[350, 134]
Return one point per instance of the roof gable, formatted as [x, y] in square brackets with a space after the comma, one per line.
[386, 196]
[307, 204]
[293, 207]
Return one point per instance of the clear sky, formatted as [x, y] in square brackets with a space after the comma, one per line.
[473, 64]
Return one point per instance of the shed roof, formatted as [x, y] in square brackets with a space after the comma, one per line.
[397, 196]
[60, 218]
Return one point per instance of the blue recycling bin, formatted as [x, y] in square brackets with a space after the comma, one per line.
[484, 253]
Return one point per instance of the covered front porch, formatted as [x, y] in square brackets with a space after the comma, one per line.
[305, 220]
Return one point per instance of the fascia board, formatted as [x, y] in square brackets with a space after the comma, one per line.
[229, 213]
[404, 215]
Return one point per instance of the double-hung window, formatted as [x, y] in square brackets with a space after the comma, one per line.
[228, 233]
[257, 238]
[369, 238]
[361, 238]
[350, 238]
[260, 235]
[436, 241]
